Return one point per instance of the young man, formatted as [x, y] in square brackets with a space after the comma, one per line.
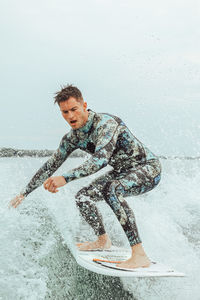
[136, 170]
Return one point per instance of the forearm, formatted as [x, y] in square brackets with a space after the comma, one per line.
[91, 166]
[49, 167]
[35, 182]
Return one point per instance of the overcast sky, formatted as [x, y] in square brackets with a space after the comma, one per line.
[137, 59]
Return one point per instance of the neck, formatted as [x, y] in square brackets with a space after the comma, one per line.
[86, 117]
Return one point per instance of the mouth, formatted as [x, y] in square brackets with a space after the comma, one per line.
[73, 122]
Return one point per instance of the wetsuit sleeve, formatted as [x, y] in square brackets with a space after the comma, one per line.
[105, 145]
[50, 166]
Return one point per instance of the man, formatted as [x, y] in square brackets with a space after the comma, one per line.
[136, 170]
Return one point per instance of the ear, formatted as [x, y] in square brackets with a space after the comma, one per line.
[85, 106]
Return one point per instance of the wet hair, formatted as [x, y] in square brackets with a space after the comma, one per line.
[66, 92]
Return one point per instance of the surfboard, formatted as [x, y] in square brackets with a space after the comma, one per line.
[104, 263]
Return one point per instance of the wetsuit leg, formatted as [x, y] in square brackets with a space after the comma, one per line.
[113, 188]
[85, 201]
[137, 181]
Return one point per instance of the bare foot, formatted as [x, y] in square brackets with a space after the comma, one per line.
[103, 242]
[139, 259]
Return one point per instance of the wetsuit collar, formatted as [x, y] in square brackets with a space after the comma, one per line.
[87, 126]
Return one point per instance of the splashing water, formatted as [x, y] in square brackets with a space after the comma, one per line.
[35, 261]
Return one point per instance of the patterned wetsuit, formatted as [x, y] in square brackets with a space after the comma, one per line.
[136, 170]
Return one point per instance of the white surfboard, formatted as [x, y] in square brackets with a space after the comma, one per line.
[104, 262]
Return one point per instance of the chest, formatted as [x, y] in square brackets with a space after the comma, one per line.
[87, 143]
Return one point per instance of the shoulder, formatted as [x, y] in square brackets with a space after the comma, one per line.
[68, 138]
[106, 119]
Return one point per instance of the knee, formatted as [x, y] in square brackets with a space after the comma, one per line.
[111, 189]
[83, 203]
[157, 179]
[83, 192]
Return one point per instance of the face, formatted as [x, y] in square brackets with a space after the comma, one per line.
[74, 112]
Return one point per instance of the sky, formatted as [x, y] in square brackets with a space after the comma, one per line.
[139, 60]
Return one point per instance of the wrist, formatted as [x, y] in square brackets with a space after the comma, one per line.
[23, 194]
[64, 178]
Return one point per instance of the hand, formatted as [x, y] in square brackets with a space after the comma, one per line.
[16, 201]
[52, 183]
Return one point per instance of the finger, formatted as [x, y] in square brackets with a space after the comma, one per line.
[12, 203]
[53, 190]
[50, 187]
[16, 204]
[46, 183]
[47, 186]
[18, 201]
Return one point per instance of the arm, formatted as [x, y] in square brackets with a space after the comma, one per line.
[50, 166]
[55, 161]
[43, 173]
[107, 137]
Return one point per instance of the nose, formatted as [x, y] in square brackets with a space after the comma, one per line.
[70, 115]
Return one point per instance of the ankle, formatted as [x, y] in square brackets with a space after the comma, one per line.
[138, 249]
[104, 237]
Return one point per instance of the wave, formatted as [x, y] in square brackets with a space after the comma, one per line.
[38, 238]
[11, 152]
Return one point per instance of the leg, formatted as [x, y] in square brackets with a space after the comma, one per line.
[85, 201]
[135, 182]
[113, 192]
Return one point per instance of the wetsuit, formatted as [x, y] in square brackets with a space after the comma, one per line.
[136, 170]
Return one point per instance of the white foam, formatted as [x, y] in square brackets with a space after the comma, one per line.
[167, 217]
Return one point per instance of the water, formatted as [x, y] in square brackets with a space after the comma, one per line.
[37, 238]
